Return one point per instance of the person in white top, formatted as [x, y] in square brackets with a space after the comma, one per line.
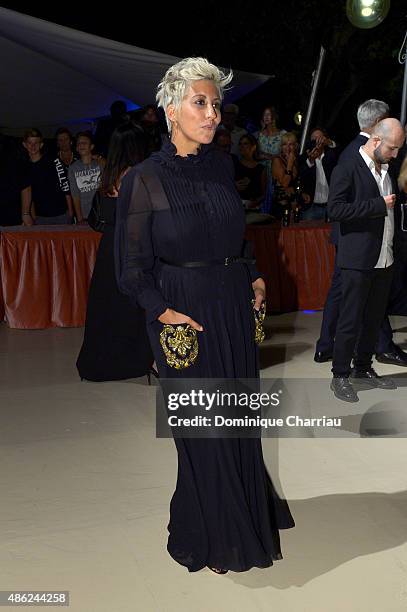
[315, 173]
[380, 172]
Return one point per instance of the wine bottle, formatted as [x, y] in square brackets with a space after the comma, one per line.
[296, 214]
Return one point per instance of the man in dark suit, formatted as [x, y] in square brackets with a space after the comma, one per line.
[362, 198]
[315, 172]
[369, 114]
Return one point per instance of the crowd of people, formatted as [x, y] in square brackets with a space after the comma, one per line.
[54, 181]
[173, 270]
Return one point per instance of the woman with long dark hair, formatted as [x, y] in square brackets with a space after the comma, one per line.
[250, 174]
[115, 344]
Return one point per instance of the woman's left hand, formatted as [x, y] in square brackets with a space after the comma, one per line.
[259, 288]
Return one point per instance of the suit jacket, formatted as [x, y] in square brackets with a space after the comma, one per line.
[355, 201]
[352, 149]
[308, 174]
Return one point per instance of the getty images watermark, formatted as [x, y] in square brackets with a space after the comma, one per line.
[225, 408]
[223, 399]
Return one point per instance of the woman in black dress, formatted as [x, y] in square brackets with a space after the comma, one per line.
[115, 344]
[181, 206]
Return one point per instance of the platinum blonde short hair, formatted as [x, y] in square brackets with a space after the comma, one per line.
[180, 76]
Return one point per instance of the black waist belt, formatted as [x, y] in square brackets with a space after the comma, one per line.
[226, 261]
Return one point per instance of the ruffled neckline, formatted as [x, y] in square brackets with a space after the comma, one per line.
[168, 153]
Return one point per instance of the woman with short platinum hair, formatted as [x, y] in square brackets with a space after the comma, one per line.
[180, 254]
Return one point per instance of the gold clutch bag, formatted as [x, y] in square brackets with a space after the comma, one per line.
[180, 345]
[259, 316]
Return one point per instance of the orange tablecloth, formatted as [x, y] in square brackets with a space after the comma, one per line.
[297, 264]
[45, 274]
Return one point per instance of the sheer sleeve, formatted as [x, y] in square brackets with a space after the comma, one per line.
[248, 252]
[134, 253]
[247, 247]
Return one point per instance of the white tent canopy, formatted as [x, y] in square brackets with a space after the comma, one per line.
[52, 75]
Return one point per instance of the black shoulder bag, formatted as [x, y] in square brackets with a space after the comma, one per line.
[95, 216]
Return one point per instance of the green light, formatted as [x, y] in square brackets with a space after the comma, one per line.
[367, 13]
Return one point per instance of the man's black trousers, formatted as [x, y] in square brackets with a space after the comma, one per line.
[364, 300]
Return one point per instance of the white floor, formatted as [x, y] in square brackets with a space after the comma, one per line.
[85, 488]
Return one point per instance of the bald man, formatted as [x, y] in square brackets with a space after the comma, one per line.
[362, 197]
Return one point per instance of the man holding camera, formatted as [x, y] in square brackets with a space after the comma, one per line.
[315, 173]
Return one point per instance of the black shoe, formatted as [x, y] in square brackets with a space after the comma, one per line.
[394, 357]
[321, 357]
[372, 378]
[218, 571]
[154, 372]
[343, 390]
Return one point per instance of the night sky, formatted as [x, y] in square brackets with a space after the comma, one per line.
[280, 37]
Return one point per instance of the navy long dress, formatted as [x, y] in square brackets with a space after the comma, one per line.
[224, 512]
[115, 343]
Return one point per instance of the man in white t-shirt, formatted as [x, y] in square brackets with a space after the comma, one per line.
[84, 176]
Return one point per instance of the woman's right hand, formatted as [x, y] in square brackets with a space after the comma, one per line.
[291, 157]
[172, 317]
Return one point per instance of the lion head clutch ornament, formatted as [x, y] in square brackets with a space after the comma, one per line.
[259, 316]
[180, 345]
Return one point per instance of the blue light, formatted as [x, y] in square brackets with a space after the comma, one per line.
[132, 106]
[309, 311]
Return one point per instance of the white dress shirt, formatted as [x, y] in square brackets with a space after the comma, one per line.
[321, 184]
[385, 188]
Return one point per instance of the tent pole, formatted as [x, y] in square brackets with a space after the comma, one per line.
[311, 103]
[403, 58]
